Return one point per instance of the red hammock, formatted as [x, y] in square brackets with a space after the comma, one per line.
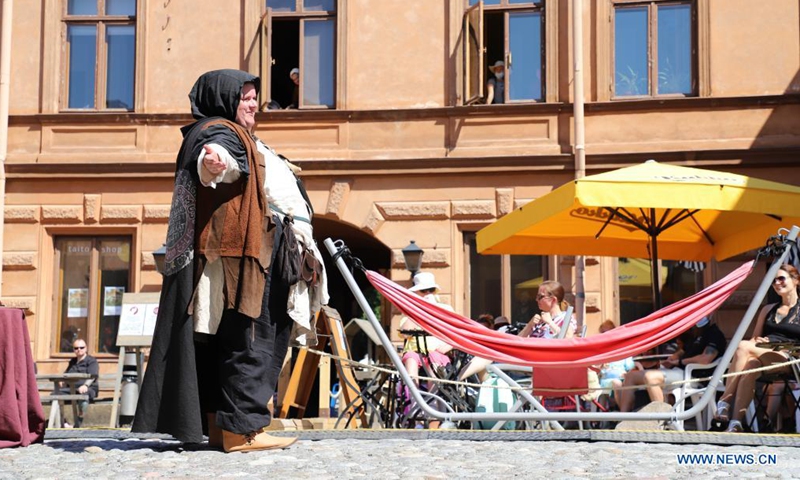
[622, 342]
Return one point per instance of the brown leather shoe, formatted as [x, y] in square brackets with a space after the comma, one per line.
[259, 440]
[214, 432]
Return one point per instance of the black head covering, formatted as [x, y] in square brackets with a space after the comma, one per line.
[216, 93]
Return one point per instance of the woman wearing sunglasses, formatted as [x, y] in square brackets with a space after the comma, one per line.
[550, 321]
[777, 323]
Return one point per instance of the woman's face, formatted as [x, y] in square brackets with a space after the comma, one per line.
[545, 299]
[248, 105]
[784, 283]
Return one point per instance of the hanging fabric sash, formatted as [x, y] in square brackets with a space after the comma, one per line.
[622, 342]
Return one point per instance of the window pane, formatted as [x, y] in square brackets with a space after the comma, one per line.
[74, 266]
[535, 2]
[115, 260]
[474, 59]
[121, 42]
[121, 7]
[485, 2]
[282, 5]
[525, 45]
[484, 281]
[82, 41]
[82, 7]
[317, 75]
[319, 5]
[675, 49]
[526, 276]
[630, 52]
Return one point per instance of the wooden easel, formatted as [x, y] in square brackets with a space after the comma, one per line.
[329, 325]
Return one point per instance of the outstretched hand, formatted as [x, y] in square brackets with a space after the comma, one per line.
[212, 162]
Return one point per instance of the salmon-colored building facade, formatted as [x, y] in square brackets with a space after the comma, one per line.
[391, 132]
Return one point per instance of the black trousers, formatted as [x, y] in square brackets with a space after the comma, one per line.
[238, 368]
[251, 356]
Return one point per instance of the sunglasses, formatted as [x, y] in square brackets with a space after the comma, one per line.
[780, 279]
[540, 296]
[79, 348]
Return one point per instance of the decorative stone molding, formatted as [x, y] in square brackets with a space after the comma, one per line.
[21, 214]
[148, 262]
[504, 200]
[91, 208]
[24, 303]
[374, 221]
[400, 211]
[592, 302]
[121, 214]
[519, 202]
[337, 198]
[62, 214]
[19, 261]
[430, 259]
[473, 209]
[156, 213]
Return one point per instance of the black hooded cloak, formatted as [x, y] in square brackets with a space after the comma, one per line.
[170, 400]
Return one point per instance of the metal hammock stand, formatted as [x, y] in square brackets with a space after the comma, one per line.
[338, 250]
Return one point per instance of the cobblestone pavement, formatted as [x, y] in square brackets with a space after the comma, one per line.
[94, 454]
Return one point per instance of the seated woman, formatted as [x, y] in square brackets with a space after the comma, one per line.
[549, 323]
[777, 322]
[433, 349]
[612, 374]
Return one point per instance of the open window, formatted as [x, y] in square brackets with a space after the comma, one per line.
[473, 54]
[306, 32]
[511, 32]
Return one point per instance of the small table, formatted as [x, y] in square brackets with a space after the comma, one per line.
[71, 379]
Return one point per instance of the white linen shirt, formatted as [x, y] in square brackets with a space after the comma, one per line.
[282, 191]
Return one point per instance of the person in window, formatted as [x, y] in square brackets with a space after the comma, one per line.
[549, 323]
[81, 363]
[495, 87]
[294, 74]
[702, 344]
[68, 337]
[227, 313]
[777, 323]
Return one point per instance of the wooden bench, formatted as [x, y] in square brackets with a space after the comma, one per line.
[55, 399]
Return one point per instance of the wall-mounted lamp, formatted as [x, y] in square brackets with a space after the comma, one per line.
[412, 255]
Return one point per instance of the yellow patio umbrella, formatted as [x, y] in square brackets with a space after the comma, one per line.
[651, 210]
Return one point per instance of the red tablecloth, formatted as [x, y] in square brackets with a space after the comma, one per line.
[22, 419]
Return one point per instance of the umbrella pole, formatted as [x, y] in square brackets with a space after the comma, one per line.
[654, 270]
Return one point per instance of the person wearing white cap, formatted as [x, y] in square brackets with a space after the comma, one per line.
[495, 87]
[434, 349]
[703, 344]
[294, 74]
